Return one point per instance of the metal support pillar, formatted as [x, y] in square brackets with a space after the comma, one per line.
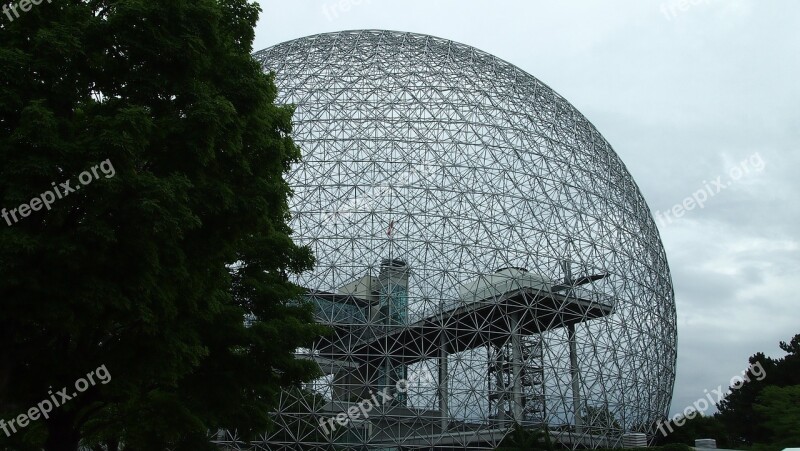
[443, 379]
[575, 374]
[516, 368]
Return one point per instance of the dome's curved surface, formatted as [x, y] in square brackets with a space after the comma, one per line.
[428, 167]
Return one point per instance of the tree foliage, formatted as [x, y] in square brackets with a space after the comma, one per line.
[745, 424]
[152, 271]
[761, 413]
[693, 427]
[780, 408]
[520, 439]
[597, 419]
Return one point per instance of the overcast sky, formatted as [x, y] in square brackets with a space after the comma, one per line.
[690, 98]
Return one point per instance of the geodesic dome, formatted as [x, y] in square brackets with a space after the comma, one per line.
[484, 257]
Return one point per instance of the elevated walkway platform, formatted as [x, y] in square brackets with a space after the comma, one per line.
[465, 327]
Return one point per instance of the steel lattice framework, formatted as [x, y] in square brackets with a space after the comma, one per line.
[484, 257]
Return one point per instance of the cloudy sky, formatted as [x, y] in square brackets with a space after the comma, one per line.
[693, 95]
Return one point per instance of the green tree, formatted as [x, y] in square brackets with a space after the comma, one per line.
[521, 439]
[298, 420]
[780, 408]
[599, 420]
[695, 427]
[745, 425]
[152, 268]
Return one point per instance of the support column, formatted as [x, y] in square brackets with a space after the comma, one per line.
[516, 368]
[575, 373]
[443, 377]
[501, 388]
